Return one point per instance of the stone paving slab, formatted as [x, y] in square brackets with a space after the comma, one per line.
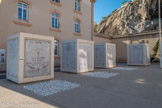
[87, 97]
[13, 99]
[140, 88]
[15, 95]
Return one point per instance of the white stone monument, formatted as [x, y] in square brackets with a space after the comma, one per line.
[104, 55]
[77, 56]
[138, 54]
[30, 58]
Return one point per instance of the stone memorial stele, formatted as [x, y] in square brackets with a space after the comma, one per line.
[30, 58]
[77, 56]
[138, 54]
[104, 55]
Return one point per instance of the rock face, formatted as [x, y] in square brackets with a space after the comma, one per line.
[134, 17]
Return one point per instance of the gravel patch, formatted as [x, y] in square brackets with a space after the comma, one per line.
[100, 74]
[50, 87]
[124, 68]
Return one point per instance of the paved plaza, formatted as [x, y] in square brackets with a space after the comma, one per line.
[123, 87]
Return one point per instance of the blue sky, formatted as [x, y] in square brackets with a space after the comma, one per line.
[104, 8]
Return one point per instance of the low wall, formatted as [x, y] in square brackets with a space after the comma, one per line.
[100, 38]
[121, 43]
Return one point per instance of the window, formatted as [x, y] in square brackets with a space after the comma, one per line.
[77, 5]
[55, 22]
[77, 26]
[58, 1]
[2, 56]
[22, 11]
[56, 48]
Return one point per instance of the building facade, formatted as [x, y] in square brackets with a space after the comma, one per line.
[62, 19]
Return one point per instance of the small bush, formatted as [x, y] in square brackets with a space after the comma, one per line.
[155, 49]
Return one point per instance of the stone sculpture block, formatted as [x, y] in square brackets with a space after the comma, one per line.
[138, 54]
[104, 55]
[77, 56]
[30, 58]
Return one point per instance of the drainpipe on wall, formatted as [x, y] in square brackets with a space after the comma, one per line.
[160, 34]
[0, 44]
[92, 19]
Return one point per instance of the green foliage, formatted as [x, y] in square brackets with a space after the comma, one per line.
[114, 11]
[136, 0]
[124, 2]
[127, 2]
[103, 18]
[106, 17]
[95, 28]
[155, 49]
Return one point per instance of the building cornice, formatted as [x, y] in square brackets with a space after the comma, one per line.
[93, 1]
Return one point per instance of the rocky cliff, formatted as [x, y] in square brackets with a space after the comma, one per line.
[135, 17]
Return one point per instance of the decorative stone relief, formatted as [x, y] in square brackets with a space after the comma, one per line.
[111, 56]
[37, 58]
[85, 58]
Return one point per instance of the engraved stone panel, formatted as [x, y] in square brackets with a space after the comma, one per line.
[136, 54]
[99, 55]
[69, 56]
[13, 57]
[37, 58]
[85, 56]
